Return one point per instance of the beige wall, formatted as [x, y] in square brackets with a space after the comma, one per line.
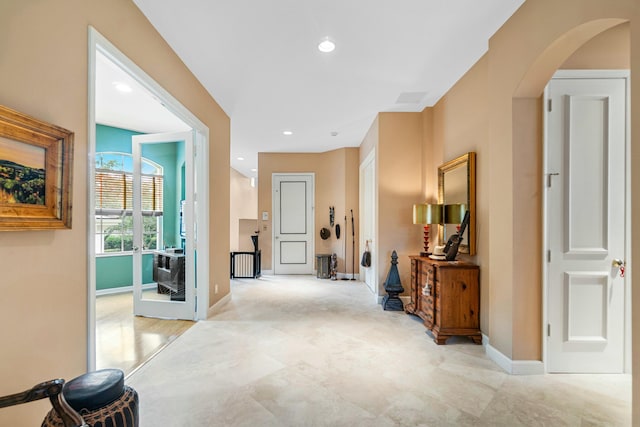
[399, 163]
[243, 204]
[43, 283]
[459, 125]
[336, 184]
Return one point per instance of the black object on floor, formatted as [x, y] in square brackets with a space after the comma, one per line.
[392, 285]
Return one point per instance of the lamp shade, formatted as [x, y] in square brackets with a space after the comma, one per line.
[427, 214]
[454, 214]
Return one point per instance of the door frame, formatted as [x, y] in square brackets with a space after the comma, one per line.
[591, 74]
[312, 175]
[365, 217]
[97, 42]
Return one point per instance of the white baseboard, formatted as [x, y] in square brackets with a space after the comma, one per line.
[217, 306]
[123, 289]
[338, 275]
[513, 367]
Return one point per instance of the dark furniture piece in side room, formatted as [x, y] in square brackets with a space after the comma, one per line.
[168, 272]
[323, 266]
[53, 390]
[446, 296]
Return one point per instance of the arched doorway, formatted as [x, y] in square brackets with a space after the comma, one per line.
[527, 119]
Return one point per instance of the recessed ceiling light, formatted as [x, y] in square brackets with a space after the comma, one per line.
[326, 45]
[334, 133]
[122, 87]
[240, 158]
[287, 132]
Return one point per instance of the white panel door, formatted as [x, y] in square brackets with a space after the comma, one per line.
[368, 221]
[585, 164]
[175, 301]
[293, 223]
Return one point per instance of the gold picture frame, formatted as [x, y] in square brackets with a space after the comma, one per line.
[457, 185]
[36, 163]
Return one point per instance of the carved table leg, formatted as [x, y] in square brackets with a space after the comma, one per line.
[476, 338]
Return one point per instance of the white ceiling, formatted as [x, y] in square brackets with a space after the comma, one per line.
[137, 110]
[259, 60]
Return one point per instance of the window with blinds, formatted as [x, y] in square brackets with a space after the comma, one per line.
[114, 203]
[114, 193]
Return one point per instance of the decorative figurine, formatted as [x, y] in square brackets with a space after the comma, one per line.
[332, 215]
[392, 285]
[333, 267]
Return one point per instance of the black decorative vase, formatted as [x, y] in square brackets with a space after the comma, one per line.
[392, 285]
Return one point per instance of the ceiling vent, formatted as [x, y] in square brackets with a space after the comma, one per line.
[410, 97]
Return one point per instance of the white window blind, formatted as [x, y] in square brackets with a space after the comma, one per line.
[114, 193]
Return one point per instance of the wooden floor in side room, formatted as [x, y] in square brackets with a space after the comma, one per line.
[126, 341]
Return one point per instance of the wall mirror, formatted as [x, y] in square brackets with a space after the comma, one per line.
[457, 185]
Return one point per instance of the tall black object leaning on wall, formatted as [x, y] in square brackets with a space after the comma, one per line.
[353, 248]
[345, 250]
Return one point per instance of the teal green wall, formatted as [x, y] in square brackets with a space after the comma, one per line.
[117, 271]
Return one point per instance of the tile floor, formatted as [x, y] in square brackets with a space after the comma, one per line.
[299, 351]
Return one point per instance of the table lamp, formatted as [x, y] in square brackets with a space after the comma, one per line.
[427, 214]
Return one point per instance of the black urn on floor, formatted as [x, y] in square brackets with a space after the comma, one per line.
[392, 285]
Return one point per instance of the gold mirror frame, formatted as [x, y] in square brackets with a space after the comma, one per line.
[468, 162]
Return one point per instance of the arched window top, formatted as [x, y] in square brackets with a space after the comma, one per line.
[123, 162]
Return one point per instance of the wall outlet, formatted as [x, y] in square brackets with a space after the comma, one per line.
[215, 288]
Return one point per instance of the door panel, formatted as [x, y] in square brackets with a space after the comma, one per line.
[586, 224]
[171, 294]
[292, 252]
[293, 223]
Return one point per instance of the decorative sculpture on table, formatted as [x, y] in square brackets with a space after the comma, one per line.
[392, 285]
[451, 248]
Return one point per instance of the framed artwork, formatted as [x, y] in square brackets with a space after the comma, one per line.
[36, 160]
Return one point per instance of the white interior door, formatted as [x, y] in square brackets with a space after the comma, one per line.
[585, 199]
[293, 223]
[171, 293]
[368, 220]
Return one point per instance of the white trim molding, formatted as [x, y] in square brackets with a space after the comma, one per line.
[513, 367]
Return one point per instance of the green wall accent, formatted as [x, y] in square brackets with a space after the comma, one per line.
[117, 271]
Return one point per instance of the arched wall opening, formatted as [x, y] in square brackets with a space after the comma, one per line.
[528, 169]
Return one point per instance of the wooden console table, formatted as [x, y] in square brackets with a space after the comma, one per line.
[446, 296]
